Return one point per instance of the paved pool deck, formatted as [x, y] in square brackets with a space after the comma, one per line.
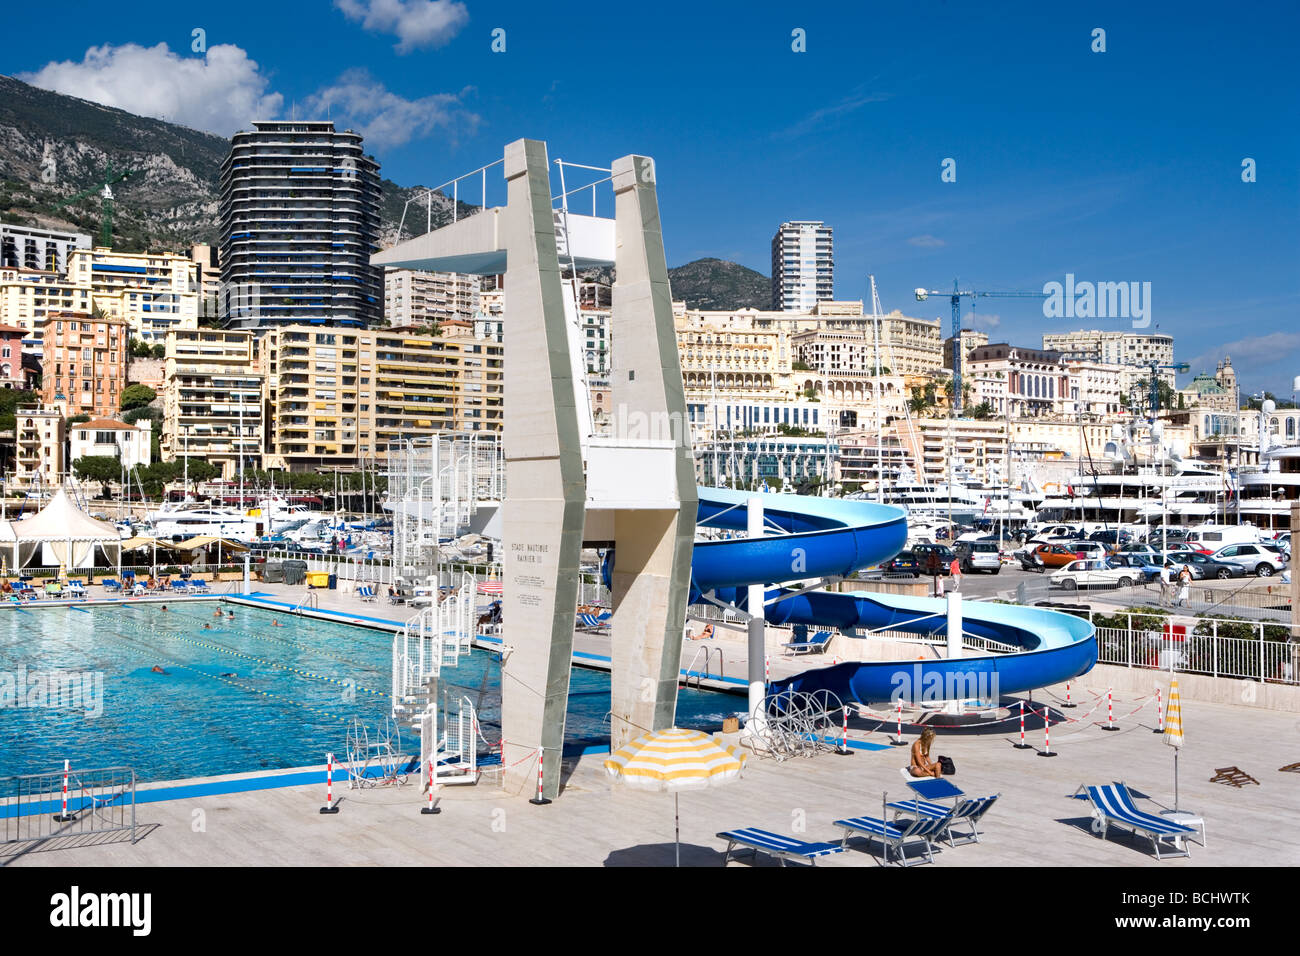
[596, 822]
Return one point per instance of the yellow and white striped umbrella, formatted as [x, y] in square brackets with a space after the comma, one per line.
[675, 759]
[1174, 717]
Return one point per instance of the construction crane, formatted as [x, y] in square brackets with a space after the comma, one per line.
[105, 190]
[955, 295]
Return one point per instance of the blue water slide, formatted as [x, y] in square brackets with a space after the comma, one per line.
[821, 537]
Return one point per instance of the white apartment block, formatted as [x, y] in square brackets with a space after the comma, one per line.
[1095, 388]
[1131, 349]
[36, 249]
[213, 399]
[803, 266]
[38, 455]
[412, 297]
[153, 292]
[27, 296]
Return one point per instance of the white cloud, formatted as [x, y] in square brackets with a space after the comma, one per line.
[386, 119]
[415, 23]
[220, 92]
[851, 103]
[1261, 361]
[926, 241]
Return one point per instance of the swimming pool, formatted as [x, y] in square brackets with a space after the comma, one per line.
[241, 696]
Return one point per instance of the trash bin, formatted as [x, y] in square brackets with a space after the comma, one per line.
[317, 579]
[334, 581]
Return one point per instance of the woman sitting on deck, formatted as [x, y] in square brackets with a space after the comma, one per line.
[922, 765]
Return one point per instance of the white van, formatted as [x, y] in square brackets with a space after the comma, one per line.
[1212, 537]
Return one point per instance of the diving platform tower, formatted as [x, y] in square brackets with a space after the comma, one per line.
[566, 487]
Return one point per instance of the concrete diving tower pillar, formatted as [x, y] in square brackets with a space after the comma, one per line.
[637, 492]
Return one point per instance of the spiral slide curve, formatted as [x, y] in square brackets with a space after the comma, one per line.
[821, 537]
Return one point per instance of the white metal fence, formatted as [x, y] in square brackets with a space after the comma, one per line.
[1213, 654]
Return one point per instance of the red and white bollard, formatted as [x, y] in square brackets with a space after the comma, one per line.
[64, 816]
[431, 808]
[1068, 702]
[1110, 711]
[1160, 714]
[844, 735]
[540, 800]
[1047, 738]
[330, 805]
[898, 741]
[1022, 745]
[767, 671]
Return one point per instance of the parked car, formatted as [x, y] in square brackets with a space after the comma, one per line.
[1112, 539]
[1141, 563]
[1152, 551]
[1202, 566]
[945, 553]
[1093, 550]
[1092, 573]
[905, 562]
[1044, 532]
[1210, 538]
[1259, 559]
[1053, 555]
[978, 556]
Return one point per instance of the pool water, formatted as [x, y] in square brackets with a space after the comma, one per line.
[242, 696]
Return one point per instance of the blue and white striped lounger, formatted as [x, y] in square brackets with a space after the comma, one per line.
[593, 622]
[968, 810]
[1111, 806]
[366, 592]
[895, 835]
[774, 844]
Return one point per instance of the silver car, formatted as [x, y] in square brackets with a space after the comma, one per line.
[1255, 558]
[978, 556]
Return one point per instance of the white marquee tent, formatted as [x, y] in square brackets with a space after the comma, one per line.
[61, 534]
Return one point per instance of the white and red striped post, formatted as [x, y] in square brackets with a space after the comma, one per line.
[898, 741]
[1160, 713]
[767, 671]
[330, 805]
[1022, 745]
[540, 800]
[1110, 710]
[1047, 738]
[1068, 702]
[844, 734]
[64, 816]
[431, 808]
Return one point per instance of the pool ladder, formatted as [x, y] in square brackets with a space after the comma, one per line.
[700, 676]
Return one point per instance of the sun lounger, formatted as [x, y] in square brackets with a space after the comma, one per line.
[76, 589]
[775, 845]
[200, 586]
[366, 592]
[817, 644]
[593, 622]
[895, 835]
[1112, 804]
[111, 584]
[967, 810]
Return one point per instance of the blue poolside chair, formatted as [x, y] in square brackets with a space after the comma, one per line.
[895, 835]
[967, 810]
[775, 845]
[1113, 805]
[178, 587]
[366, 592]
[1126, 797]
[817, 644]
[76, 589]
[199, 586]
[111, 584]
[593, 622]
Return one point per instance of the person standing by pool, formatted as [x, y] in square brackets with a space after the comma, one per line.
[922, 765]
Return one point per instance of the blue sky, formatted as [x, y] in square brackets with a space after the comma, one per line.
[1117, 166]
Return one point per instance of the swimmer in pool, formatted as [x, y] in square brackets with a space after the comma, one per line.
[207, 627]
[163, 608]
[157, 669]
[230, 614]
[275, 623]
[217, 614]
[231, 674]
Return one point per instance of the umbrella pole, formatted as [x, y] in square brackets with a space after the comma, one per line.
[677, 826]
[1175, 779]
